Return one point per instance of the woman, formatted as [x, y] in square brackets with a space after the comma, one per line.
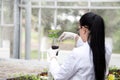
[90, 59]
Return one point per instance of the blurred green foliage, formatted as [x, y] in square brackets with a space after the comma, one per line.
[53, 33]
[114, 73]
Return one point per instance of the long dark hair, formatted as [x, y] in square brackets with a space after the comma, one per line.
[95, 24]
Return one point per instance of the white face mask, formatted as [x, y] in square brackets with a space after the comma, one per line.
[79, 42]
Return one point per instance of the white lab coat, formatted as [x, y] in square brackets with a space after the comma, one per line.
[78, 65]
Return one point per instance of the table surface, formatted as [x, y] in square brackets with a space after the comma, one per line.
[13, 67]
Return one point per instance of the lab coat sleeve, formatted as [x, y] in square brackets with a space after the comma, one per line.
[79, 42]
[65, 71]
[108, 48]
[54, 67]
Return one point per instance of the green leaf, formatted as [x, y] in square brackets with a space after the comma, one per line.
[53, 33]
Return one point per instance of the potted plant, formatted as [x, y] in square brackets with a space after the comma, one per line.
[114, 73]
[54, 34]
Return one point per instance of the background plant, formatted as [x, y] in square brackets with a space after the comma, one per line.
[54, 33]
[114, 72]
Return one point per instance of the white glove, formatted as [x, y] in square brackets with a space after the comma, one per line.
[51, 53]
[67, 35]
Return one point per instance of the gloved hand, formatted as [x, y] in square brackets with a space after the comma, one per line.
[67, 35]
[51, 53]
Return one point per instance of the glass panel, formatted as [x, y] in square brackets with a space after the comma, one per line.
[34, 34]
[35, 3]
[45, 3]
[0, 25]
[0, 37]
[23, 34]
[112, 22]
[47, 18]
[72, 3]
[8, 11]
[0, 17]
[0, 11]
[47, 22]
[105, 3]
[68, 20]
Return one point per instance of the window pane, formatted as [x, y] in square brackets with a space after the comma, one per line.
[34, 34]
[0, 25]
[105, 3]
[35, 3]
[0, 11]
[43, 3]
[0, 36]
[8, 7]
[72, 3]
[46, 3]
[47, 22]
[23, 23]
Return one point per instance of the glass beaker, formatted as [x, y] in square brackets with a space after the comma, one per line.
[55, 45]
